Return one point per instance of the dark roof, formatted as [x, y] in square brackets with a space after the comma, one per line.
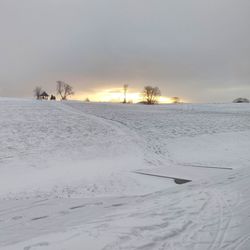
[44, 94]
[241, 100]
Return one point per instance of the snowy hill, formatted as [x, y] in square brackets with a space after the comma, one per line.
[68, 176]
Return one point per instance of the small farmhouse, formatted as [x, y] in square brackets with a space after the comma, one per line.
[44, 96]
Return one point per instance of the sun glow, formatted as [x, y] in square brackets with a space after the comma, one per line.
[116, 95]
[164, 99]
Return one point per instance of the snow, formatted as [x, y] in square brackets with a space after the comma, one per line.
[68, 176]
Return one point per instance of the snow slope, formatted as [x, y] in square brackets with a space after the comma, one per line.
[68, 176]
[54, 146]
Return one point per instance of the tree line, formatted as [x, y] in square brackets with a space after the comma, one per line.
[150, 94]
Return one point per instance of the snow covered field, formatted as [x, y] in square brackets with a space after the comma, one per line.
[68, 176]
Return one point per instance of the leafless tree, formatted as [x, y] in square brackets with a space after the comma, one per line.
[64, 90]
[125, 90]
[151, 94]
[37, 92]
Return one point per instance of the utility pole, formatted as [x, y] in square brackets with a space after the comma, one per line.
[125, 89]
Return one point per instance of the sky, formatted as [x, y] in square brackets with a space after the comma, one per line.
[198, 50]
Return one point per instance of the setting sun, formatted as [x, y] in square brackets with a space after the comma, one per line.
[116, 95]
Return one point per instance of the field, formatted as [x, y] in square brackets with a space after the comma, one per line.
[70, 176]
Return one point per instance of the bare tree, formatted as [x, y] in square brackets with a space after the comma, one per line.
[64, 90]
[125, 90]
[151, 94]
[37, 92]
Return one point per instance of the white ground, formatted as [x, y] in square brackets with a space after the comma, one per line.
[68, 181]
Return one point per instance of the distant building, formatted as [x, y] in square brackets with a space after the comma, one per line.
[44, 96]
[241, 100]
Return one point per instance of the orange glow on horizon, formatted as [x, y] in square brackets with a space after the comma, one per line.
[117, 96]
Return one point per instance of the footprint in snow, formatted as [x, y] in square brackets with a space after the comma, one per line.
[88, 204]
[76, 207]
[40, 218]
[117, 205]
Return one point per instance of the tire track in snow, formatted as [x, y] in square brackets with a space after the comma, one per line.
[121, 128]
[145, 147]
[228, 222]
[214, 243]
[242, 242]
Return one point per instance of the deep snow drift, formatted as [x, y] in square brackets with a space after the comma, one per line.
[68, 176]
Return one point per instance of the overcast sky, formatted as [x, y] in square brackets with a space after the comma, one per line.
[196, 49]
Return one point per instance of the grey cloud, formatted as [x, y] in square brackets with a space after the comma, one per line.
[196, 49]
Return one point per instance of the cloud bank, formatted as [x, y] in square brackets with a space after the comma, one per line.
[195, 49]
